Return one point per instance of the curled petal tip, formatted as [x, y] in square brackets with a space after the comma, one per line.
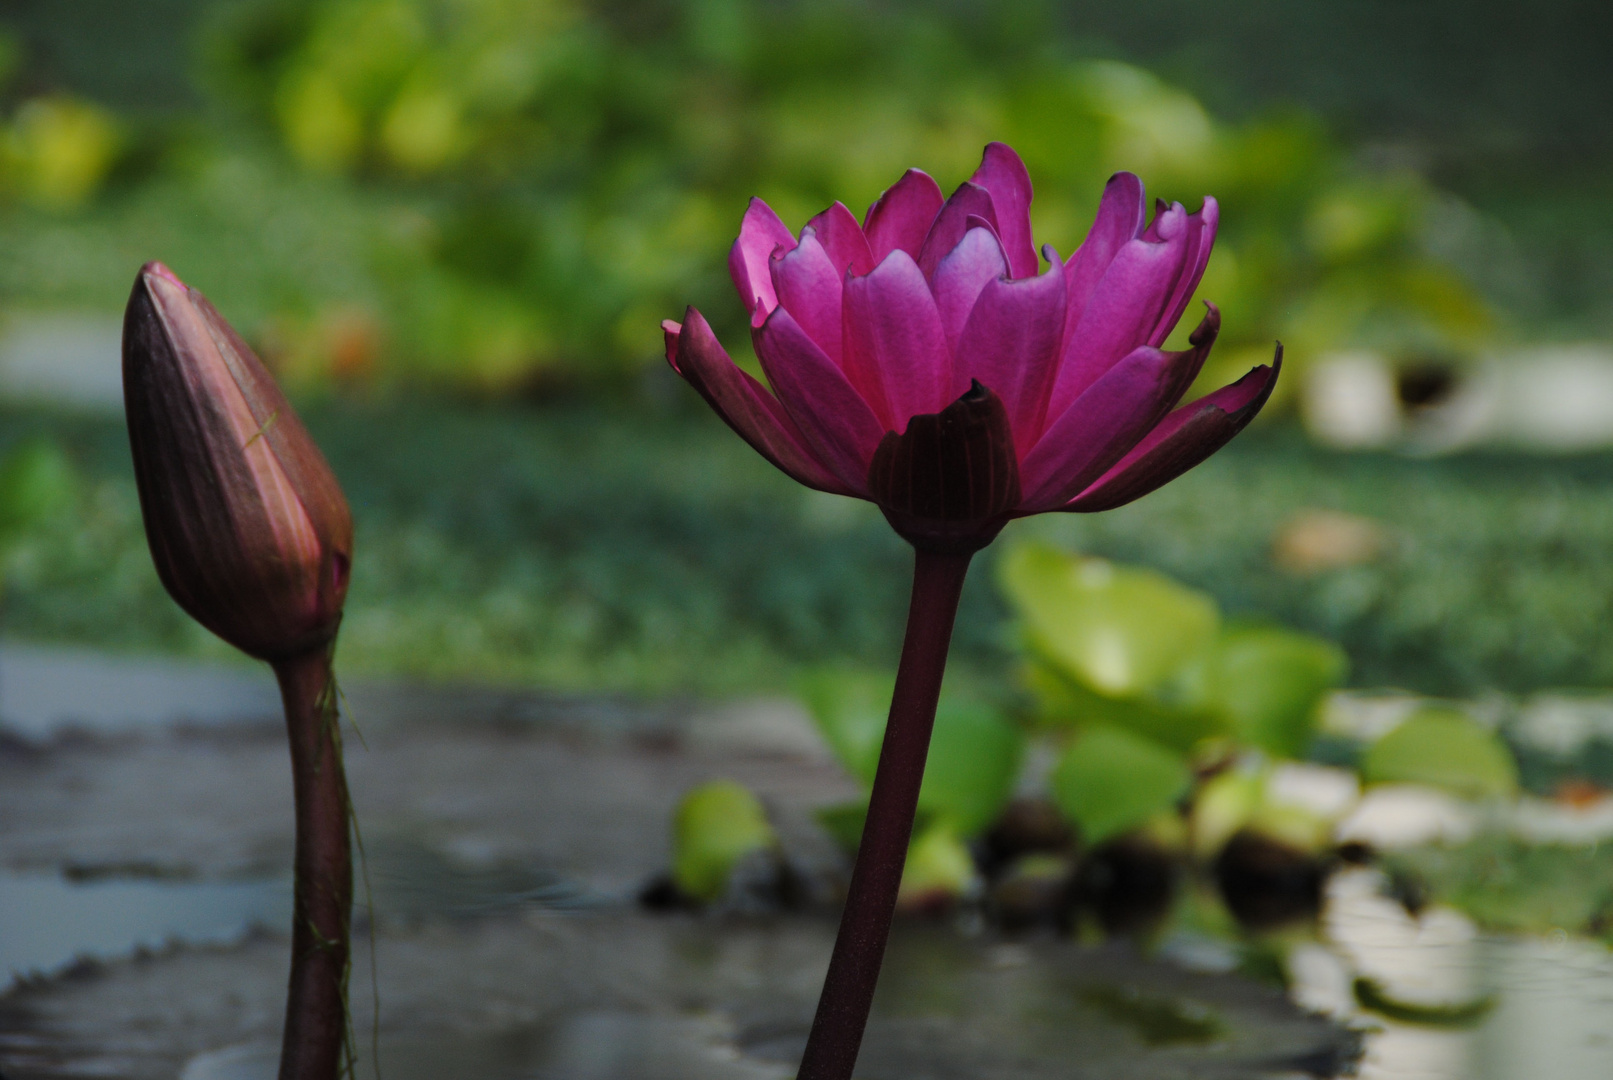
[1209, 327]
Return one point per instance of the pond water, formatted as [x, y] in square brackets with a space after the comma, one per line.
[140, 880]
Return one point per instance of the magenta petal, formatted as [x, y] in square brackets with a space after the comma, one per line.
[901, 217]
[1111, 417]
[1004, 176]
[1119, 221]
[808, 285]
[1010, 344]
[835, 422]
[968, 202]
[1182, 440]
[759, 234]
[967, 268]
[747, 407]
[837, 230]
[1199, 238]
[1123, 313]
[893, 336]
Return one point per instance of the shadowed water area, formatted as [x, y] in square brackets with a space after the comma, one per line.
[145, 837]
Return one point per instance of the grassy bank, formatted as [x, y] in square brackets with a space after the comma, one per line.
[643, 548]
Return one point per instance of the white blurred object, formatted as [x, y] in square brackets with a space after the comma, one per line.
[1553, 398]
[1407, 815]
[1325, 791]
[1350, 401]
[64, 359]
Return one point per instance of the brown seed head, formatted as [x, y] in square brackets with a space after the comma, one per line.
[248, 528]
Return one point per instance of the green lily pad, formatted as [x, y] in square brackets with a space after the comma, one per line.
[974, 754]
[1119, 631]
[715, 826]
[1111, 780]
[1268, 683]
[1447, 749]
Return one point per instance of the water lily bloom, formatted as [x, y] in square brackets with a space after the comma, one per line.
[925, 361]
[247, 526]
[251, 535]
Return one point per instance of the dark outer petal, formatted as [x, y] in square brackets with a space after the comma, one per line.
[1184, 439]
[969, 201]
[1110, 418]
[742, 402]
[1003, 174]
[837, 230]
[950, 481]
[901, 217]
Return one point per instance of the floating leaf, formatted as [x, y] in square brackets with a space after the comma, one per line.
[849, 707]
[1063, 702]
[973, 763]
[1119, 631]
[1443, 748]
[1110, 780]
[974, 752]
[1268, 683]
[939, 867]
[715, 826]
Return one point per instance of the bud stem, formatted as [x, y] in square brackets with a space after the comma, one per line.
[848, 989]
[316, 1000]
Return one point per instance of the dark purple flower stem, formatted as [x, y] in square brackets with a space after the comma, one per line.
[316, 1000]
[848, 989]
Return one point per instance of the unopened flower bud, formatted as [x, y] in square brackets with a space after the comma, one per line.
[248, 528]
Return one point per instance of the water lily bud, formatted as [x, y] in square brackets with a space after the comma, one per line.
[248, 528]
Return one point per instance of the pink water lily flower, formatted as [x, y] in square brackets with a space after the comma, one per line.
[925, 361]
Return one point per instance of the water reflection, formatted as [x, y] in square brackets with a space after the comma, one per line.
[1553, 998]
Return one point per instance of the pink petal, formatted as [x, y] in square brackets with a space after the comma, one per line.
[1199, 238]
[893, 340]
[901, 217]
[1010, 344]
[808, 285]
[1104, 423]
[977, 259]
[835, 422]
[1124, 312]
[1182, 440]
[694, 352]
[1119, 221]
[837, 230]
[1003, 174]
[969, 201]
[759, 234]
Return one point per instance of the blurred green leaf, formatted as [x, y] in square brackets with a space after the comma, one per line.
[37, 482]
[1443, 748]
[1063, 702]
[850, 707]
[974, 752]
[973, 763]
[1110, 780]
[715, 826]
[938, 867]
[1118, 631]
[1268, 682]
